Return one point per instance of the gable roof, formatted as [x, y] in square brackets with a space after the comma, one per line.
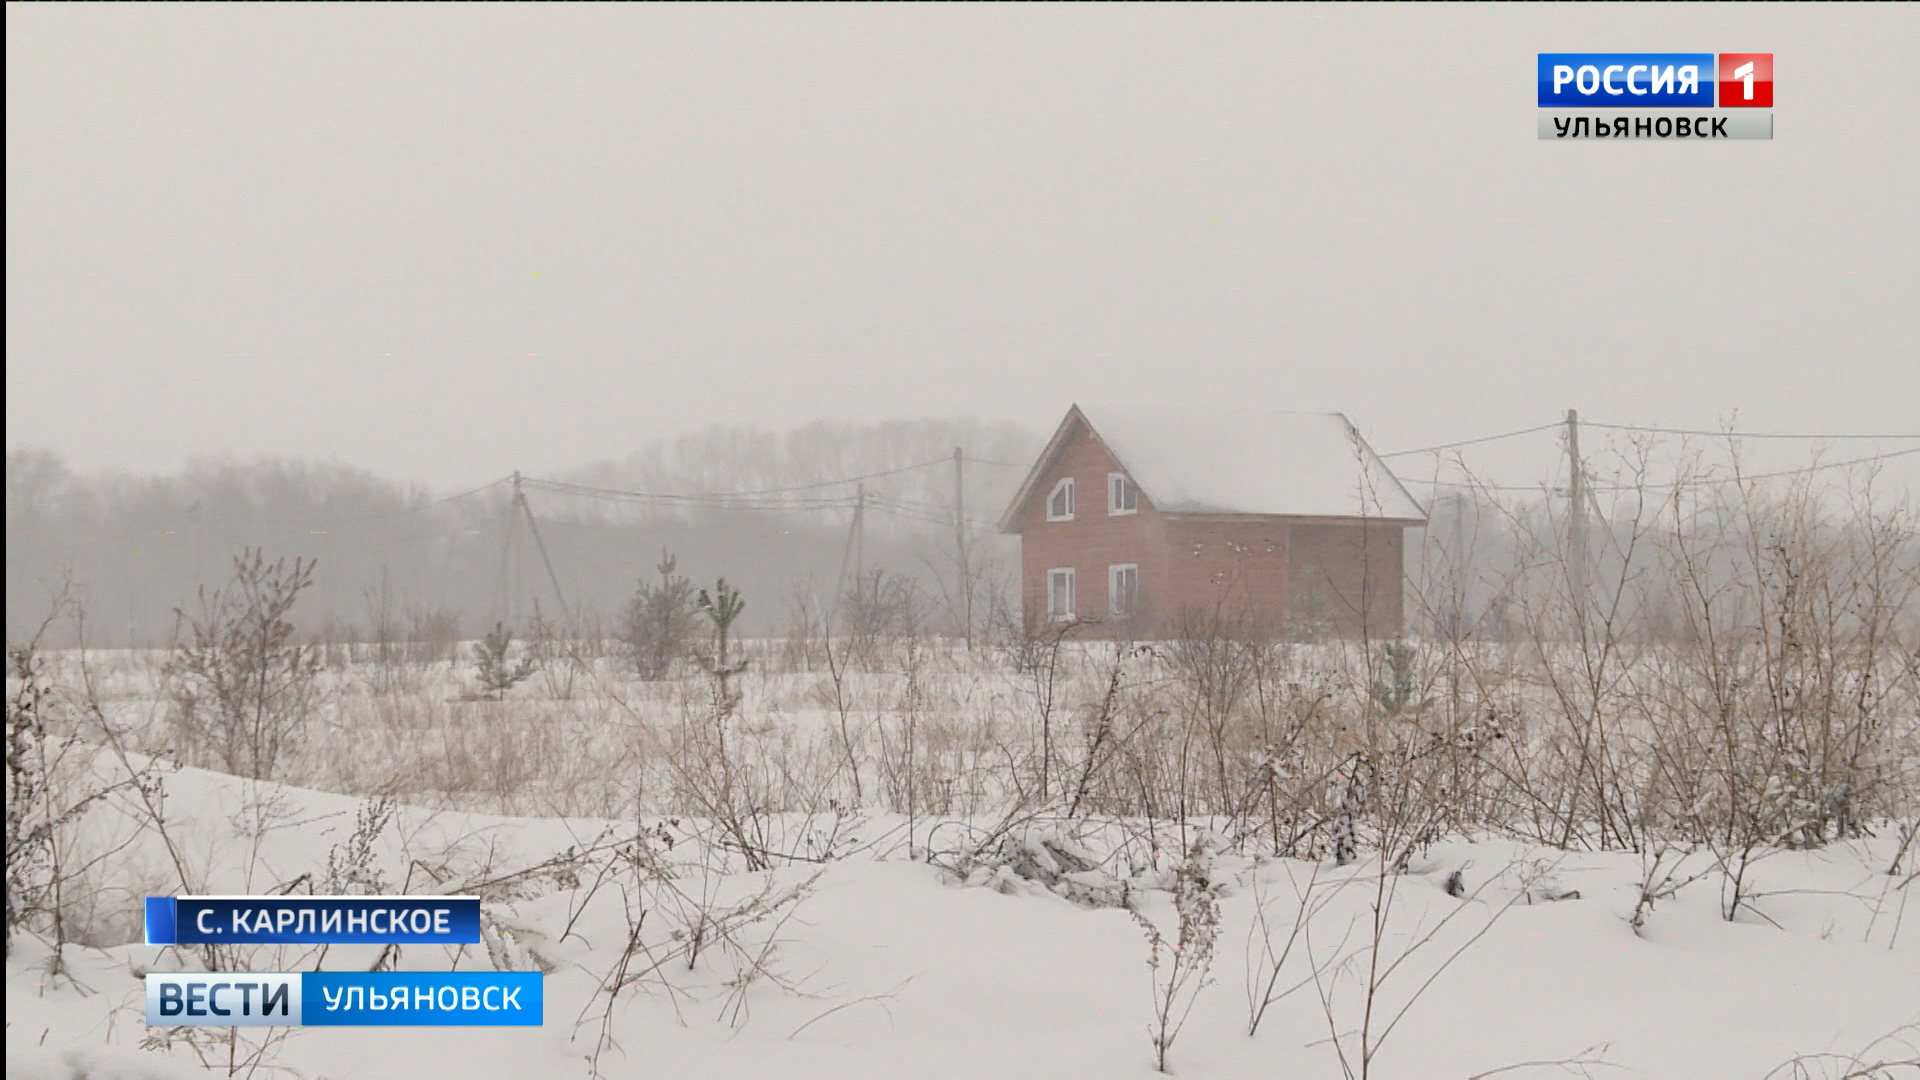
[1235, 461]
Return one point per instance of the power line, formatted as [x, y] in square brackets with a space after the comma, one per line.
[471, 491]
[1701, 482]
[1472, 442]
[1654, 430]
[644, 529]
[1472, 485]
[1476, 486]
[692, 502]
[908, 510]
[913, 504]
[490, 485]
[743, 502]
[723, 496]
[1745, 434]
[931, 513]
[1763, 476]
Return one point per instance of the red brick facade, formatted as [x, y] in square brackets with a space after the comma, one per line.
[1267, 574]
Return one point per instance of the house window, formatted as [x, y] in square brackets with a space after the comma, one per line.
[1120, 494]
[1123, 589]
[1060, 503]
[1060, 594]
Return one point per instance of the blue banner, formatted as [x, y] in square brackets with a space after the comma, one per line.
[421, 998]
[1626, 80]
[346, 998]
[313, 920]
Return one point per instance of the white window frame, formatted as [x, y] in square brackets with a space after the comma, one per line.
[1052, 611]
[1113, 590]
[1066, 482]
[1118, 482]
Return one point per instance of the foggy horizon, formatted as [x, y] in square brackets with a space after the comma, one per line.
[442, 246]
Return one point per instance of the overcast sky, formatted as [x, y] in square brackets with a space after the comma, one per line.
[446, 242]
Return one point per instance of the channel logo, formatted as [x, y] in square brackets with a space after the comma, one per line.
[1655, 80]
[1746, 80]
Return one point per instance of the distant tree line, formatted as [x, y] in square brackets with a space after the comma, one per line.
[400, 563]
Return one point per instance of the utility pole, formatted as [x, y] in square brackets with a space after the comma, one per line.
[503, 588]
[854, 553]
[1577, 522]
[533, 529]
[199, 519]
[1459, 561]
[859, 534]
[960, 547]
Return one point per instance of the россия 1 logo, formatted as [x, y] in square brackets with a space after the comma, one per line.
[1656, 81]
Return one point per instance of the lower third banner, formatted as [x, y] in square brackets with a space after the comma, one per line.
[339, 998]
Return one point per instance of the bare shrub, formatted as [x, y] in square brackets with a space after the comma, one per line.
[1182, 968]
[1372, 967]
[903, 766]
[878, 607]
[1892, 1055]
[555, 652]
[391, 671]
[1044, 660]
[1266, 962]
[672, 928]
[52, 790]
[1660, 879]
[1780, 722]
[351, 866]
[1214, 661]
[433, 636]
[243, 688]
[802, 647]
[838, 696]
[1102, 733]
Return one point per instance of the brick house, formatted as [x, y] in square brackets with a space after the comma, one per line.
[1138, 521]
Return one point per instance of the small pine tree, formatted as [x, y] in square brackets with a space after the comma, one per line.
[496, 674]
[660, 620]
[1394, 696]
[1352, 802]
[1310, 618]
[722, 607]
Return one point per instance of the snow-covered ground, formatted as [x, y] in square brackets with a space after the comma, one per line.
[883, 966]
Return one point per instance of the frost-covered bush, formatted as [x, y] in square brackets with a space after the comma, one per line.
[243, 687]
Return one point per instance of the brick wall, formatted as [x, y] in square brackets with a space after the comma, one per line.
[1349, 577]
[1245, 572]
[1227, 573]
[1093, 541]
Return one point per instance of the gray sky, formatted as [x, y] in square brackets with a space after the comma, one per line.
[446, 242]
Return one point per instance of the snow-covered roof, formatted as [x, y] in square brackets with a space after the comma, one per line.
[1238, 461]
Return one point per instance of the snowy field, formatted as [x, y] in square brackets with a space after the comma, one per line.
[946, 921]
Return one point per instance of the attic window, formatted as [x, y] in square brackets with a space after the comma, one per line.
[1060, 503]
[1121, 498]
